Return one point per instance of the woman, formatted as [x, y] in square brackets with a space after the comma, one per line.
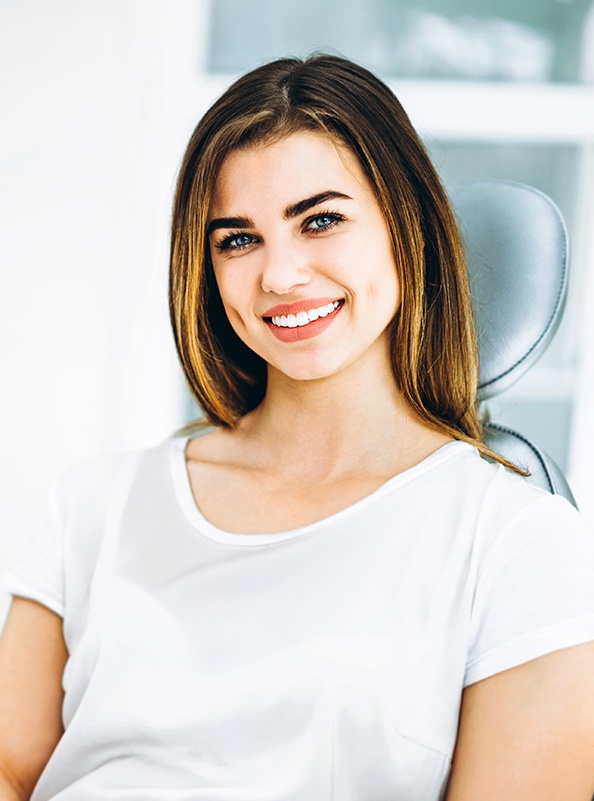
[328, 594]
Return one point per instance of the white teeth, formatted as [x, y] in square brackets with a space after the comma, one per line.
[304, 318]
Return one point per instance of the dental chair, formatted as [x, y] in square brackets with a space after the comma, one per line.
[517, 254]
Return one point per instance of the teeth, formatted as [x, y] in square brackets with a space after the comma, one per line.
[304, 318]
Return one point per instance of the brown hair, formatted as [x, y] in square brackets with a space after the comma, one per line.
[434, 350]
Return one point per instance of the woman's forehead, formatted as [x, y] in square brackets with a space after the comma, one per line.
[286, 170]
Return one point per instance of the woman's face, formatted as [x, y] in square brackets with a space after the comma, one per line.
[302, 256]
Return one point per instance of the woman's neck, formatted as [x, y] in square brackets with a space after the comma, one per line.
[353, 421]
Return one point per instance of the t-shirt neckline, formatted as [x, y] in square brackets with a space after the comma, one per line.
[185, 496]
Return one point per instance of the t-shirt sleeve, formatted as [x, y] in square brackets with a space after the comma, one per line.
[534, 591]
[35, 567]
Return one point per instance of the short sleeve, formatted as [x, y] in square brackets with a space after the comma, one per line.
[35, 568]
[534, 590]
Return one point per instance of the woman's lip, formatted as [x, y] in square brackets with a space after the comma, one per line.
[301, 306]
[305, 332]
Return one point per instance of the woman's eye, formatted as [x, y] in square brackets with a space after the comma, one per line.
[322, 222]
[235, 242]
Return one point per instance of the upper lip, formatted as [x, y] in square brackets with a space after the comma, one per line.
[300, 306]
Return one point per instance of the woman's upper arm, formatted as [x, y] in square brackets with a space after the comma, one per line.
[528, 733]
[32, 659]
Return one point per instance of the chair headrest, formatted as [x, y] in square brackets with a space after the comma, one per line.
[516, 248]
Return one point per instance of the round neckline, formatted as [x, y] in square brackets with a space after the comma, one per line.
[191, 510]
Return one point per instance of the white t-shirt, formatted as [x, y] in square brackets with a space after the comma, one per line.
[323, 663]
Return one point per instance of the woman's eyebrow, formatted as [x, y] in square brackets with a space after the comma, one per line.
[302, 206]
[229, 222]
[294, 210]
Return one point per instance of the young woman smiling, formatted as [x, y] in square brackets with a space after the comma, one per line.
[322, 591]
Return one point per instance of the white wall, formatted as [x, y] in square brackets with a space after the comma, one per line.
[89, 145]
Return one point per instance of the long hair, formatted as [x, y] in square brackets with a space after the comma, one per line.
[433, 344]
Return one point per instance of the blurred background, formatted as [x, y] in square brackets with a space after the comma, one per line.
[97, 101]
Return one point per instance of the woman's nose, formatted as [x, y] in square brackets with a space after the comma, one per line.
[284, 268]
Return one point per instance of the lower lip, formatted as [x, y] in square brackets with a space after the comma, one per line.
[304, 331]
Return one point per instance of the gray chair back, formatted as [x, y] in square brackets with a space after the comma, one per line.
[516, 248]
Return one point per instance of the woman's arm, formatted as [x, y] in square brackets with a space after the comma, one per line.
[32, 660]
[527, 734]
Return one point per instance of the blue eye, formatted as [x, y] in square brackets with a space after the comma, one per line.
[235, 242]
[321, 222]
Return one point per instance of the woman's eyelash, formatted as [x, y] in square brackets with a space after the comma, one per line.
[239, 240]
[331, 219]
[227, 242]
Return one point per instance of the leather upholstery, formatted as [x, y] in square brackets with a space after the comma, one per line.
[516, 249]
[517, 255]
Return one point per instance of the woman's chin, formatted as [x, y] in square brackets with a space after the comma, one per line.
[305, 372]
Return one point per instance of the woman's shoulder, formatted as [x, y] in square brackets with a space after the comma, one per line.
[517, 517]
[502, 489]
[514, 495]
[502, 508]
[90, 482]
